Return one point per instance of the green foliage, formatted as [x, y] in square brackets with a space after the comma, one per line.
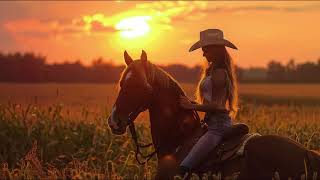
[64, 147]
[39, 142]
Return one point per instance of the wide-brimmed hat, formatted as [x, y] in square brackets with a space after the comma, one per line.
[211, 37]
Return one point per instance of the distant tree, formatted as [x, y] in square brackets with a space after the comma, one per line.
[239, 73]
[290, 69]
[29, 67]
[308, 72]
[275, 71]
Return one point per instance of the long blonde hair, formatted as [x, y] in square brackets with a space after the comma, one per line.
[232, 91]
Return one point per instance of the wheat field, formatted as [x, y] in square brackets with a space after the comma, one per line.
[54, 131]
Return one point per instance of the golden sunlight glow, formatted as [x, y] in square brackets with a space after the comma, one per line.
[134, 26]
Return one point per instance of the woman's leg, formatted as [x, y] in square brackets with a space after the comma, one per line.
[204, 145]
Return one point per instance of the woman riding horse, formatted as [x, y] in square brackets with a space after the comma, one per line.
[216, 93]
[145, 86]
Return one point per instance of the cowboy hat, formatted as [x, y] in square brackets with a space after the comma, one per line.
[211, 37]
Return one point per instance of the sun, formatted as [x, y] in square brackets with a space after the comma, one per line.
[133, 26]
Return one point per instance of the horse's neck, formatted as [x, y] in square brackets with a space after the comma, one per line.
[170, 125]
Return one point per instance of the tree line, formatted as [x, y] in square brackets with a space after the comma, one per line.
[31, 68]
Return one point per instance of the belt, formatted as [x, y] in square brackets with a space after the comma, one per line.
[216, 112]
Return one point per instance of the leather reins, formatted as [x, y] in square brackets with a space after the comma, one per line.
[138, 152]
[132, 128]
[133, 132]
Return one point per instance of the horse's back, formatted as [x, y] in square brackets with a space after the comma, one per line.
[274, 140]
[270, 153]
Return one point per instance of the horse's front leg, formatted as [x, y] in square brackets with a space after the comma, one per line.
[167, 168]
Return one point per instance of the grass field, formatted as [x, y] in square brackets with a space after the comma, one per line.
[59, 130]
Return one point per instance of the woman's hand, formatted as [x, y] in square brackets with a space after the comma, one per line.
[185, 103]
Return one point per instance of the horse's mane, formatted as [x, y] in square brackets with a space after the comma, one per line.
[155, 75]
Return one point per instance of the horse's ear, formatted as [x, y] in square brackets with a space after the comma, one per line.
[143, 57]
[127, 58]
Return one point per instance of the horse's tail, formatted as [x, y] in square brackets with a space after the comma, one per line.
[313, 161]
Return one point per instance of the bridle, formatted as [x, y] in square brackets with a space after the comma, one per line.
[131, 119]
[132, 116]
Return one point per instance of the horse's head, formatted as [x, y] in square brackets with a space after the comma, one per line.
[134, 95]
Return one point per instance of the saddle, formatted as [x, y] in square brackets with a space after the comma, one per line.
[230, 143]
[231, 146]
[231, 139]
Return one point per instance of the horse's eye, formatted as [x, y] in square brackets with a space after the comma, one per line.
[129, 85]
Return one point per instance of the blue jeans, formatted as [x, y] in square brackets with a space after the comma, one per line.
[217, 124]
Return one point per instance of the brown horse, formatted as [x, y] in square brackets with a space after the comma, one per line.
[146, 86]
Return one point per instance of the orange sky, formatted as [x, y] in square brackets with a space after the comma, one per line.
[86, 30]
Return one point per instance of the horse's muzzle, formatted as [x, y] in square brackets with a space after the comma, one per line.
[115, 128]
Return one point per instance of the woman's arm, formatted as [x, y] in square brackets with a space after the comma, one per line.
[202, 107]
[206, 107]
[192, 105]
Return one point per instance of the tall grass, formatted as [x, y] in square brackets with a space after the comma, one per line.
[44, 142]
[60, 131]
[38, 142]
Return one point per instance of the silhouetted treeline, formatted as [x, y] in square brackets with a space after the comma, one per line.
[31, 68]
[308, 72]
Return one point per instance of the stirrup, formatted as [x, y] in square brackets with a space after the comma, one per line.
[186, 175]
[184, 172]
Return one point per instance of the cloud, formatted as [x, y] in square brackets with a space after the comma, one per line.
[51, 28]
[99, 27]
[164, 14]
[27, 27]
[171, 12]
[175, 12]
[260, 8]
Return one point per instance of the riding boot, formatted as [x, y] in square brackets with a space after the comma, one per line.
[184, 172]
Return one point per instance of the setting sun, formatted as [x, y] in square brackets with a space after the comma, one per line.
[137, 89]
[134, 26]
